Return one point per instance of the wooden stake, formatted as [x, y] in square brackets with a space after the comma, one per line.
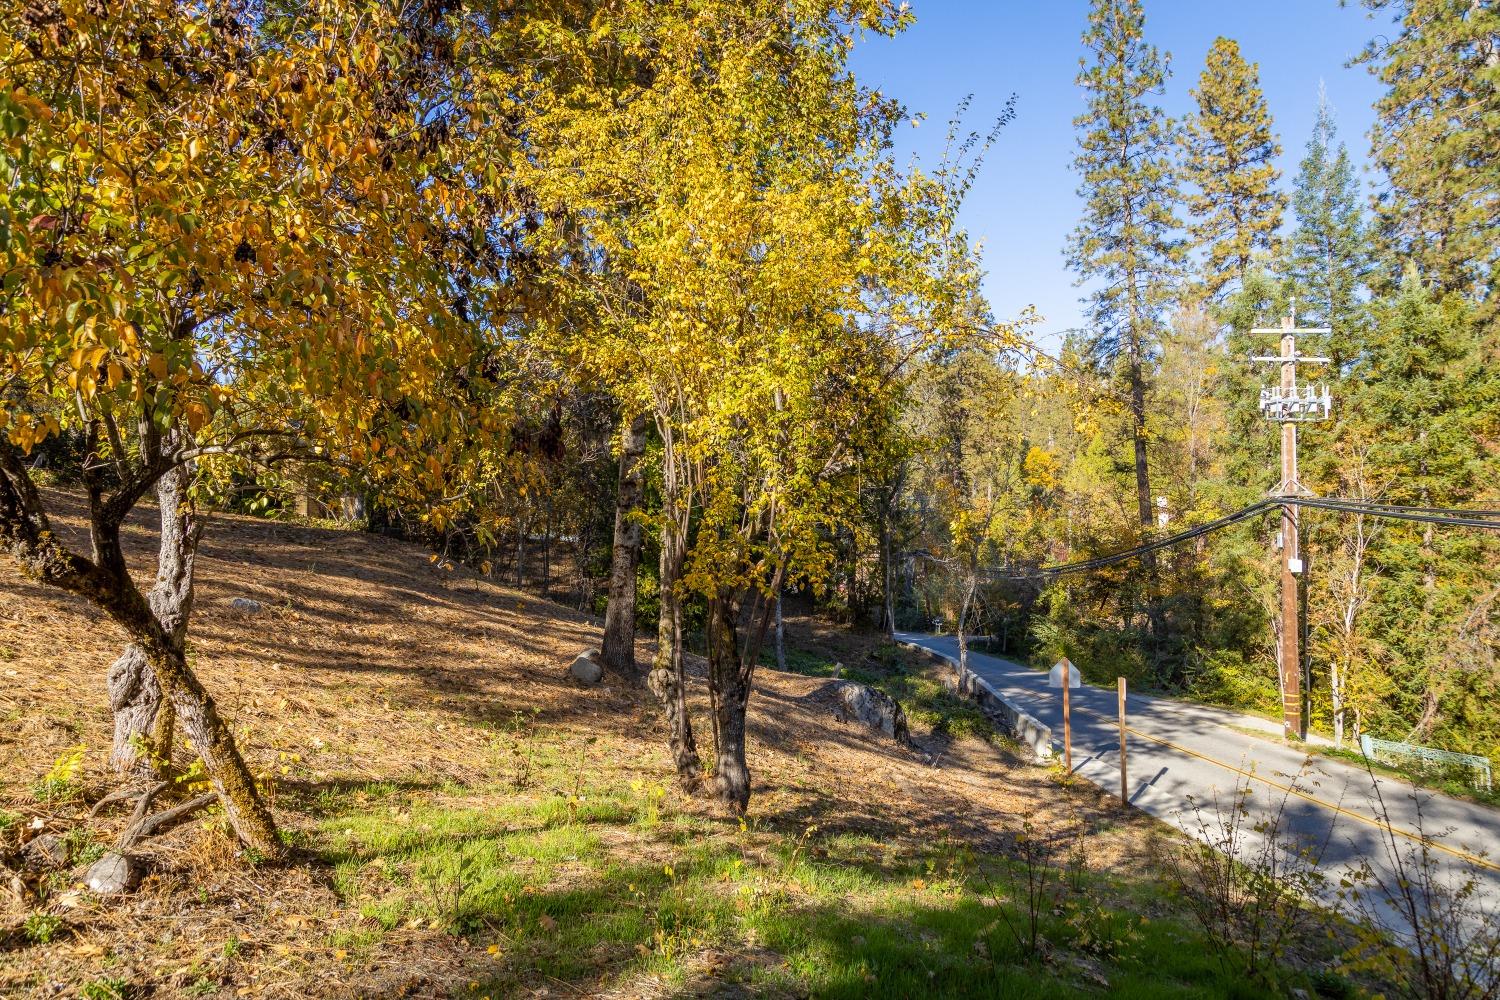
[1067, 716]
[1124, 795]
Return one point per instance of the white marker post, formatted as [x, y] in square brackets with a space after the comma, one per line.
[1065, 675]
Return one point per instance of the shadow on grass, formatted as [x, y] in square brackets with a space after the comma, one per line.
[610, 893]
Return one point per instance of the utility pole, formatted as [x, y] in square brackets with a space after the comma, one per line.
[1289, 404]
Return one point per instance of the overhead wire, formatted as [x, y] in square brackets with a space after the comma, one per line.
[1125, 555]
[1455, 516]
[1398, 513]
[1384, 505]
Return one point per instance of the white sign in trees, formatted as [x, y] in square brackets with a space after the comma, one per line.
[1055, 679]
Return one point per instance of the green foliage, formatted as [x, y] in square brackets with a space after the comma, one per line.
[1436, 142]
[1229, 150]
[61, 780]
[1328, 253]
[109, 988]
[1126, 239]
[1227, 677]
[41, 928]
[925, 699]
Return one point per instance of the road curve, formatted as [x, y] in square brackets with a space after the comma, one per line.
[1180, 753]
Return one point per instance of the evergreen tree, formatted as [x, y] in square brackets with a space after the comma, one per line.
[1437, 137]
[1228, 149]
[1327, 257]
[1125, 241]
[1421, 403]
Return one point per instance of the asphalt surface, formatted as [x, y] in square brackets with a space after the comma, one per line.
[1185, 759]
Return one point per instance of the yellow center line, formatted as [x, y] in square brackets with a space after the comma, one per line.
[1472, 859]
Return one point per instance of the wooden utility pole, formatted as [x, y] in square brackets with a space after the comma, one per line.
[1288, 405]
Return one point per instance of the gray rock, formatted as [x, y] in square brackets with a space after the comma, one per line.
[875, 709]
[585, 668]
[112, 874]
[245, 604]
[45, 851]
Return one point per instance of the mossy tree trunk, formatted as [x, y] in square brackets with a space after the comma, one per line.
[26, 532]
[618, 650]
[668, 678]
[144, 720]
[729, 682]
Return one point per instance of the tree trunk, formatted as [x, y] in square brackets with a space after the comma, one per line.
[547, 552]
[888, 576]
[1336, 694]
[214, 743]
[780, 636]
[135, 699]
[856, 604]
[668, 680]
[963, 637]
[1156, 623]
[521, 555]
[618, 651]
[105, 582]
[143, 721]
[730, 682]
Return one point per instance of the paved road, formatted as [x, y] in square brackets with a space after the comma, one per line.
[1205, 752]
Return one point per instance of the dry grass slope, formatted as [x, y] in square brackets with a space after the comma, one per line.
[469, 823]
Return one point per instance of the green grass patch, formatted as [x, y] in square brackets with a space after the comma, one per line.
[923, 697]
[611, 883]
[1455, 781]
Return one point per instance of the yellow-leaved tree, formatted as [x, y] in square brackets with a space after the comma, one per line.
[760, 275]
[236, 237]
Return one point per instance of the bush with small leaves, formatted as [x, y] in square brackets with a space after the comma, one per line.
[61, 780]
[112, 988]
[1446, 942]
[1246, 880]
[41, 928]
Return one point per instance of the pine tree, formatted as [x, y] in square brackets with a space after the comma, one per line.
[1421, 406]
[1228, 153]
[1437, 137]
[1327, 257]
[1125, 241]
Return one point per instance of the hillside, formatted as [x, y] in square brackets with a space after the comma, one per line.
[470, 824]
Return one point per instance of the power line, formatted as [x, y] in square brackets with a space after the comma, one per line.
[1456, 511]
[1125, 555]
[1395, 513]
[1427, 515]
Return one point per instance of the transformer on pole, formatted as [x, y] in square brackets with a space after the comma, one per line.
[1290, 404]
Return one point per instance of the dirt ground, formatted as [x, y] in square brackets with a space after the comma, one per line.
[368, 662]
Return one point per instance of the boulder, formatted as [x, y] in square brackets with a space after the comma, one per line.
[245, 604]
[113, 873]
[586, 668]
[875, 709]
[43, 852]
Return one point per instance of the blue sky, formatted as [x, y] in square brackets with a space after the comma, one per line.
[1024, 203]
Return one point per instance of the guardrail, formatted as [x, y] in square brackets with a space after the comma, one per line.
[1022, 724]
[1373, 749]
